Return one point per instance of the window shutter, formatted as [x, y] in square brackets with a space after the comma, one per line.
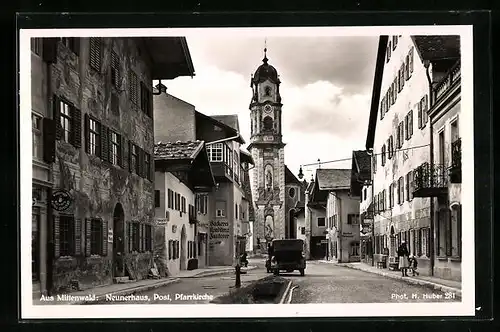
[395, 89]
[425, 108]
[87, 236]
[76, 130]
[406, 127]
[121, 151]
[410, 123]
[104, 142]
[56, 237]
[420, 124]
[78, 237]
[130, 168]
[86, 130]
[56, 109]
[130, 236]
[141, 237]
[411, 60]
[142, 168]
[49, 140]
[95, 53]
[407, 68]
[402, 76]
[49, 50]
[104, 238]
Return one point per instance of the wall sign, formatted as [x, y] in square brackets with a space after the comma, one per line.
[219, 230]
[110, 235]
[161, 221]
[61, 200]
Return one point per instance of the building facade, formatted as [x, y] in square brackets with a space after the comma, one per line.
[399, 135]
[267, 150]
[93, 97]
[441, 178]
[308, 215]
[183, 185]
[229, 224]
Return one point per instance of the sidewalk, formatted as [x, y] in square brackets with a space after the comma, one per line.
[427, 281]
[98, 294]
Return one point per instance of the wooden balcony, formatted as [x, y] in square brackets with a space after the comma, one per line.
[447, 83]
[430, 181]
[455, 170]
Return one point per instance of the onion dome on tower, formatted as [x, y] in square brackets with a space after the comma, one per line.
[265, 72]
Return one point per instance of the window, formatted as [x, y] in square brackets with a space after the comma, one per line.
[401, 134]
[407, 68]
[95, 58]
[441, 148]
[391, 195]
[72, 43]
[37, 46]
[268, 123]
[183, 204]
[133, 82]
[267, 91]
[374, 162]
[65, 112]
[66, 235]
[146, 105]
[136, 237]
[170, 198]
[364, 194]
[390, 147]
[401, 194]
[115, 148]
[291, 192]
[389, 49]
[202, 203]
[383, 200]
[236, 211]
[220, 207]
[382, 152]
[353, 219]
[94, 138]
[303, 230]
[147, 166]
[355, 249]
[96, 237]
[215, 152]
[410, 62]
[423, 117]
[394, 42]
[321, 222]
[402, 77]
[36, 128]
[382, 104]
[115, 70]
[157, 198]
[134, 158]
[176, 201]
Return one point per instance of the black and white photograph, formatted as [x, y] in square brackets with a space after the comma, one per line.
[247, 172]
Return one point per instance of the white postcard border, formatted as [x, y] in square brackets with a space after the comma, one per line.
[463, 308]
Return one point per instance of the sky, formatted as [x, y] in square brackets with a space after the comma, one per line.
[326, 89]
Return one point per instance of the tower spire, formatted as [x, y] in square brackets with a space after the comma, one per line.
[265, 51]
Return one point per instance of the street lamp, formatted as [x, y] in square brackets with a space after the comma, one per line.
[301, 173]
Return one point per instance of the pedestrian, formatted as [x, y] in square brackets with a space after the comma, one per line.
[244, 260]
[403, 259]
[413, 265]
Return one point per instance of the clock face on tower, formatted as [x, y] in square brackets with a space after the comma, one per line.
[267, 109]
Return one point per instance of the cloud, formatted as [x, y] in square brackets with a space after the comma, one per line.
[345, 61]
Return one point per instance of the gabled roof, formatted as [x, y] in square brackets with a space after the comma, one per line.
[230, 120]
[177, 150]
[331, 179]
[434, 48]
[230, 131]
[291, 178]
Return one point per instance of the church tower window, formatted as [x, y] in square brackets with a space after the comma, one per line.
[267, 90]
[268, 123]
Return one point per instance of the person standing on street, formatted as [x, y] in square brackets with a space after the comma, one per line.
[403, 259]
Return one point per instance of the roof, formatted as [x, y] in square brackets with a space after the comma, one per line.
[177, 150]
[362, 160]
[310, 187]
[246, 157]
[433, 48]
[291, 178]
[265, 72]
[231, 131]
[377, 86]
[329, 179]
[230, 120]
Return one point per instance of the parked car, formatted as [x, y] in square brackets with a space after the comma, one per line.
[287, 255]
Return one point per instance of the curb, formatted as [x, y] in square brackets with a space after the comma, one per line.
[220, 272]
[410, 280]
[286, 294]
[129, 291]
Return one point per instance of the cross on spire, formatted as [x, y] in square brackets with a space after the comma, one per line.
[265, 51]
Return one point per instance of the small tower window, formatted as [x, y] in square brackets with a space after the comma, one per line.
[291, 192]
[268, 123]
[267, 90]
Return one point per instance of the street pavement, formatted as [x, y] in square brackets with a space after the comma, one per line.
[330, 283]
[323, 283]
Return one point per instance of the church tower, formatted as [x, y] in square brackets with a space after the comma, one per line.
[267, 149]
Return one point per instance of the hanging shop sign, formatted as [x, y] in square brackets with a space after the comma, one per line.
[61, 200]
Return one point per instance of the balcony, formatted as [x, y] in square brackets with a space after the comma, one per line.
[430, 181]
[450, 80]
[456, 162]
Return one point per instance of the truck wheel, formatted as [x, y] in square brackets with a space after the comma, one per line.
[302, 272]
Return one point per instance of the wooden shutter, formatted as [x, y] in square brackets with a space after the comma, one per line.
[49, 50]
[121, 151]
[425, 108]
[104, 149]
[104, 238]
[411, 60]
[49, 140]
[141, 237]
[402, 76]
[410, 123]
[56, 237]
[142, 169]
[407, 68]
[88, 230]
[86, 132]
[76, 127]
[420, 124]
[130, 168]
[78, 237]
[56, 109]
[95, 53]
[130, 237]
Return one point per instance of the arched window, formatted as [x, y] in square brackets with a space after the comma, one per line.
[267, 90]
[291, 192]
[268, 123]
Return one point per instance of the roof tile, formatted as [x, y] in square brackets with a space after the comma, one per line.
[333, 178]
[177, 150]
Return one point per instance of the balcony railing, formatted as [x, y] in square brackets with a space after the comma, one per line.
[456, 162]
[451, 77]
[430, 180]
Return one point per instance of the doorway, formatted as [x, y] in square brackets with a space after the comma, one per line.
[292, 226]
[118, 241]
[183, 265]
[35, 245]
